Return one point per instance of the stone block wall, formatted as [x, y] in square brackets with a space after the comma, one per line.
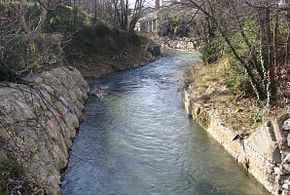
[262, 154]
[39, 119]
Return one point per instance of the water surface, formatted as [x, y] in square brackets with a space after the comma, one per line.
[138, 139]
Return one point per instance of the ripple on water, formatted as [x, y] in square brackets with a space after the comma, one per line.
[137, 139]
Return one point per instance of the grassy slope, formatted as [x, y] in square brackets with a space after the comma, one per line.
[214, 87]
[221, 82]
[92, 45]
[103, 49]
[95, 46]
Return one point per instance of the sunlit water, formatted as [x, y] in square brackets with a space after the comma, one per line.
[138, 139]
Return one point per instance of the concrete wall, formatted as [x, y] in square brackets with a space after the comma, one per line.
[260, 154]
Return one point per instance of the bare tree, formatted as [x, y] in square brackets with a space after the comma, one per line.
[42, 17]
[287, 50]
[127, 18]
[136, 14]
[20, 31]
[261, 59]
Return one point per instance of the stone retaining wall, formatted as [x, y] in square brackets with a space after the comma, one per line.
[38, 121]
[185, 43]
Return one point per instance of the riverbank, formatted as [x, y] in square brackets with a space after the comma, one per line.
[178, 43]
[39, 119]
[99, 54]
[104, 64]
[136, 139]
[185, 44]
[259, 144]
[43, 89]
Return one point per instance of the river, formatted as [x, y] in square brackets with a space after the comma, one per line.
[137, 139]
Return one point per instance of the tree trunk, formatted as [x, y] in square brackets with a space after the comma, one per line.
[274, 64]
[287, 50]
[136, 14]
[41, 22]
[26, 28]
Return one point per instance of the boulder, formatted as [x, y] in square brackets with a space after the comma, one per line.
[286, 125]
[285, 165]
[265, 142]
[155, 51]
[285, 192]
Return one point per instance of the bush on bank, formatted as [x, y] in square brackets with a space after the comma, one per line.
[69, 35]
[221, 80]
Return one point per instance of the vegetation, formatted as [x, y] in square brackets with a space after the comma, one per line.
[203, 118]
[37, 35]
[237, 71]
[222, 88]
[174, 24]
[10, 170]
[255, 38]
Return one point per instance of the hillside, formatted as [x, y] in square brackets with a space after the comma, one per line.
[90, 44]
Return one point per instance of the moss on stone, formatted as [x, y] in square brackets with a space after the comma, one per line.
[285, 116]
[9, 167]
[9, 170]
[202, 117]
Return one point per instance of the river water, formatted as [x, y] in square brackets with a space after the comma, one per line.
[137, 139]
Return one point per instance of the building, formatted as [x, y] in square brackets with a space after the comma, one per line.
[148, 21]
[164, 3]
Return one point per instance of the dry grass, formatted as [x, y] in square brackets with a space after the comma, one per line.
[240, 112]
[99, 65]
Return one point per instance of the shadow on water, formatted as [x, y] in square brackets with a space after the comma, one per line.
[137, 139]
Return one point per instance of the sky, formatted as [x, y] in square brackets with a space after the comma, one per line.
[148, 3]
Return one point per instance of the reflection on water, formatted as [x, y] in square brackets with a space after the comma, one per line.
[137, 139]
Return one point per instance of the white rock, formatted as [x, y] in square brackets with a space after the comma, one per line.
[286, 186]
[286, 125]
[285, 192]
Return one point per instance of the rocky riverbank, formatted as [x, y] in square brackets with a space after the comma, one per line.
[39, 119]
[178, 43]
[265, 153]
[104, 64]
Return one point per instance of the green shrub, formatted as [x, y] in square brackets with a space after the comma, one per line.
[9, 170]
[81, 36]
[174, 24]
[7, 166]
[212, 51]
[66, 20]
[203, 118]
[27, 54]
[235, 81]
[255, 118]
